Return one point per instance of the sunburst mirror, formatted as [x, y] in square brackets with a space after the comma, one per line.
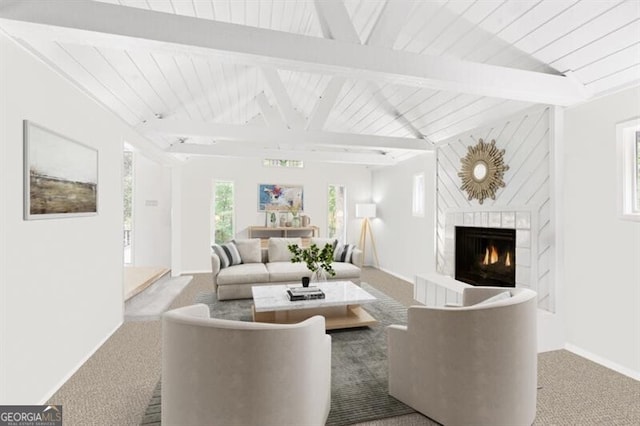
[482, 171]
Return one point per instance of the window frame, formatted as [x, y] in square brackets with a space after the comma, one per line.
[628, 169]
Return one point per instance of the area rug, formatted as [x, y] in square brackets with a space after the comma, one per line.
[359, 362]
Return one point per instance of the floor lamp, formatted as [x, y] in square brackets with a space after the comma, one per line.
[365, 212]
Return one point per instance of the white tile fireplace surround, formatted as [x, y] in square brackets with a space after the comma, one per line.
[529, 252]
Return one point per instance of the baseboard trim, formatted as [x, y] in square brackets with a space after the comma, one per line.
[194, 272]
[386, 271]
[80, 364]
[603, 361]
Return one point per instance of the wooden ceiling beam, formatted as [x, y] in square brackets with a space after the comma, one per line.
[274, 137]
[102, 24]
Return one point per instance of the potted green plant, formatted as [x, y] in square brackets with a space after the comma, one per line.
[318, 260]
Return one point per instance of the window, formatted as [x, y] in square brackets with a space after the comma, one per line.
[283, 163]
[127, 202]
[418, 195]
[337, 211]
[628, 135]
[223, 212]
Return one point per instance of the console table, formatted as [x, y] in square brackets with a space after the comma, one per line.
[266, 232]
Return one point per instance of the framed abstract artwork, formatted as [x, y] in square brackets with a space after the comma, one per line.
[60, 175]
[280, 197]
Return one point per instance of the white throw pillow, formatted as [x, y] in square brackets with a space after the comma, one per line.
[500, 296]
[278, 251]
[250, 250]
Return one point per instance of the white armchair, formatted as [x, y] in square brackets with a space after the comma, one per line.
[241, 373]
[469, 365]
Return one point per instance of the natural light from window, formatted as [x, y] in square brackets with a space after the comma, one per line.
[337, 212]
[223, 222]
[628, 136]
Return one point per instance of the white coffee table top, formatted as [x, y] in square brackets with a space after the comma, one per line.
[337, 293]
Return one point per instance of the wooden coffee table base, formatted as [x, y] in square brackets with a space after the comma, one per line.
[336, 317]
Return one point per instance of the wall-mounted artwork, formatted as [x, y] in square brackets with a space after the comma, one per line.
[60, 175]
[280, 197]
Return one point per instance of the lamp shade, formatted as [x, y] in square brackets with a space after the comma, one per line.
[365, 210]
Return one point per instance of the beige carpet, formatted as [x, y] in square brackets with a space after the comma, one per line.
[113, 387]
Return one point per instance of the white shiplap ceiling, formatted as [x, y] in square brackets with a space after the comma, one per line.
[390, 78]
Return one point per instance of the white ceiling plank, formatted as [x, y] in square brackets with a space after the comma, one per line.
[335, 21]
[242, 150]
[571, 19]
[291, 116]
[619, 79]
[568, 53]
[275, 137]
[67, 66]
[622, 59]
[324, 105]
[204, 9]
[100, 23]
[498, 112]
[167, 65]
[186, 8]
[157, 80]
[270, 114]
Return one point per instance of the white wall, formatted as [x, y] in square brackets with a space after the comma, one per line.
[198, 175]
[151, 213]
[602, 252]
[525, 139]
[405, 244]
[61, 288]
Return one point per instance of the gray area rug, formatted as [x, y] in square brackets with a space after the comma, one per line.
[359, 362]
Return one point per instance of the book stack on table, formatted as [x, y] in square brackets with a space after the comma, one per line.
[304, 293]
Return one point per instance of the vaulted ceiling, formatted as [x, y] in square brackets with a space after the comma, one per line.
[361, 81]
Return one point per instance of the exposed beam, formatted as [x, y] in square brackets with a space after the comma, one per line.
[241, 150]
[269, 113]
[275, 137]
[291, 116]
[335, 21]
[102, 24]
[325, 103]
[391, 20]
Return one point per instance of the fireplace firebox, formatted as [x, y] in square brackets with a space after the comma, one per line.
[485, 256]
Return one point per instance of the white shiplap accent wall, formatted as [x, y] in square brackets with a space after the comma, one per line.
[525, 139]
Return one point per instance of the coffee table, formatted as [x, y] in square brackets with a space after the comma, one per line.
[340, 307]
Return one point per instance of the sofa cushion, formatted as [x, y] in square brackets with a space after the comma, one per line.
[278, 251]
[345, 271]
[287, 271]
[321, 242]
[250, 250]
[228, 254]
[245, 273]
[343, 252]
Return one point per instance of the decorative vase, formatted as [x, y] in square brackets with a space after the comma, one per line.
[295, 222]
[319, 276]
[305, 281]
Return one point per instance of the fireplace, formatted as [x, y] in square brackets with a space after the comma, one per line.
[485, 256]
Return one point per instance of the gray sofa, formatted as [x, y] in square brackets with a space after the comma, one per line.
[271, 265]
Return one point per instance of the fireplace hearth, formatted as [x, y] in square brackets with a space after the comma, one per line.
[485, 256]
